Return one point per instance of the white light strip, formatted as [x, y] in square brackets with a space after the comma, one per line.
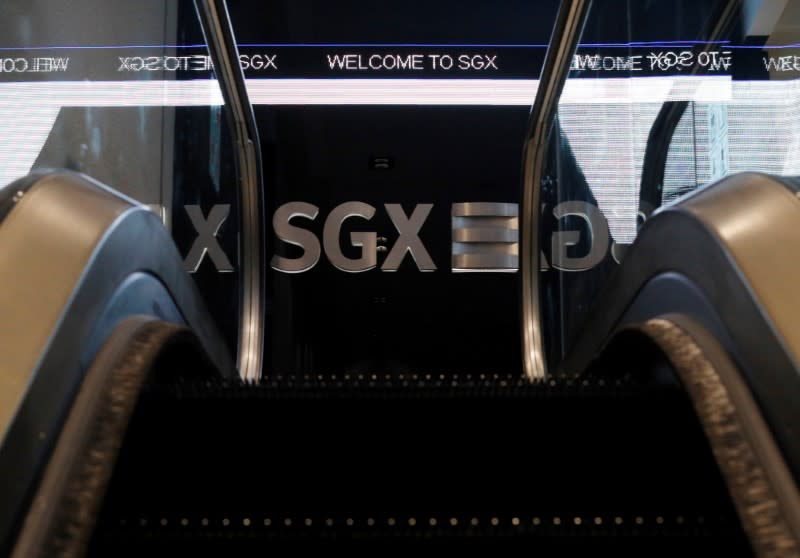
[24, 129]
[700, 89]
[480, 92]
[492, 92]
[112, 93]
[505, 92]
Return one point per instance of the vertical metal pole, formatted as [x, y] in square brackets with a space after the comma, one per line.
[563, 42]
[219, 36]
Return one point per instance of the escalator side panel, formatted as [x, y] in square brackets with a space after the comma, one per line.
[674, 293]
[727, 238]
[61, 517]
[66, 251]
[757, 220]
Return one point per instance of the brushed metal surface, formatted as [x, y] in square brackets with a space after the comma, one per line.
[495, 263]
[735, 243]
[563, 42]
[485, 234]
[49, 248]
[46, 243]
[485, 237]
[758, 221]
[485, 209]
[66, 249]
[214, 19]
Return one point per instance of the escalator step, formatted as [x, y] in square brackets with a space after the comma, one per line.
[563, 462]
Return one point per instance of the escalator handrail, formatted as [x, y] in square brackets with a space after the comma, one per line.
[71, 250]
[734, 242]
[62, 514]
[761, 486]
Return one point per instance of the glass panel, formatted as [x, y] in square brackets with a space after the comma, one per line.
[662, 98]
[123, 91]
[419, 105]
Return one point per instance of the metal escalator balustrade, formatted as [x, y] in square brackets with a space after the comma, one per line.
[76, 259]
[63, 511]
[727, 276]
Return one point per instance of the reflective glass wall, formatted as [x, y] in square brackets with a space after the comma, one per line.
[125, 93]
[392, 140]
[662, 98]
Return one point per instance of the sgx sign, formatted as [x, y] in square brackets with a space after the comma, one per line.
[485, 237]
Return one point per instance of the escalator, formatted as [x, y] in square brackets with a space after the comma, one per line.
[658, 437]
[652, 411]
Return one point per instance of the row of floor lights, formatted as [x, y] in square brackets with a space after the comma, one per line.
[433, 522]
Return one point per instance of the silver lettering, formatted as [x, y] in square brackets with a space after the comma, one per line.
[290, 234]
[366, 240]
[206, 241]
[409, 241]
[598, 232]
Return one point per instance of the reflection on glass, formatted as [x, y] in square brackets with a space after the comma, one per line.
[680, 95]
[124, 92]
[402, 103]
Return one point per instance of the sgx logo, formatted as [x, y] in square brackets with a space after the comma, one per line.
[490, 245]
[485, 237]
